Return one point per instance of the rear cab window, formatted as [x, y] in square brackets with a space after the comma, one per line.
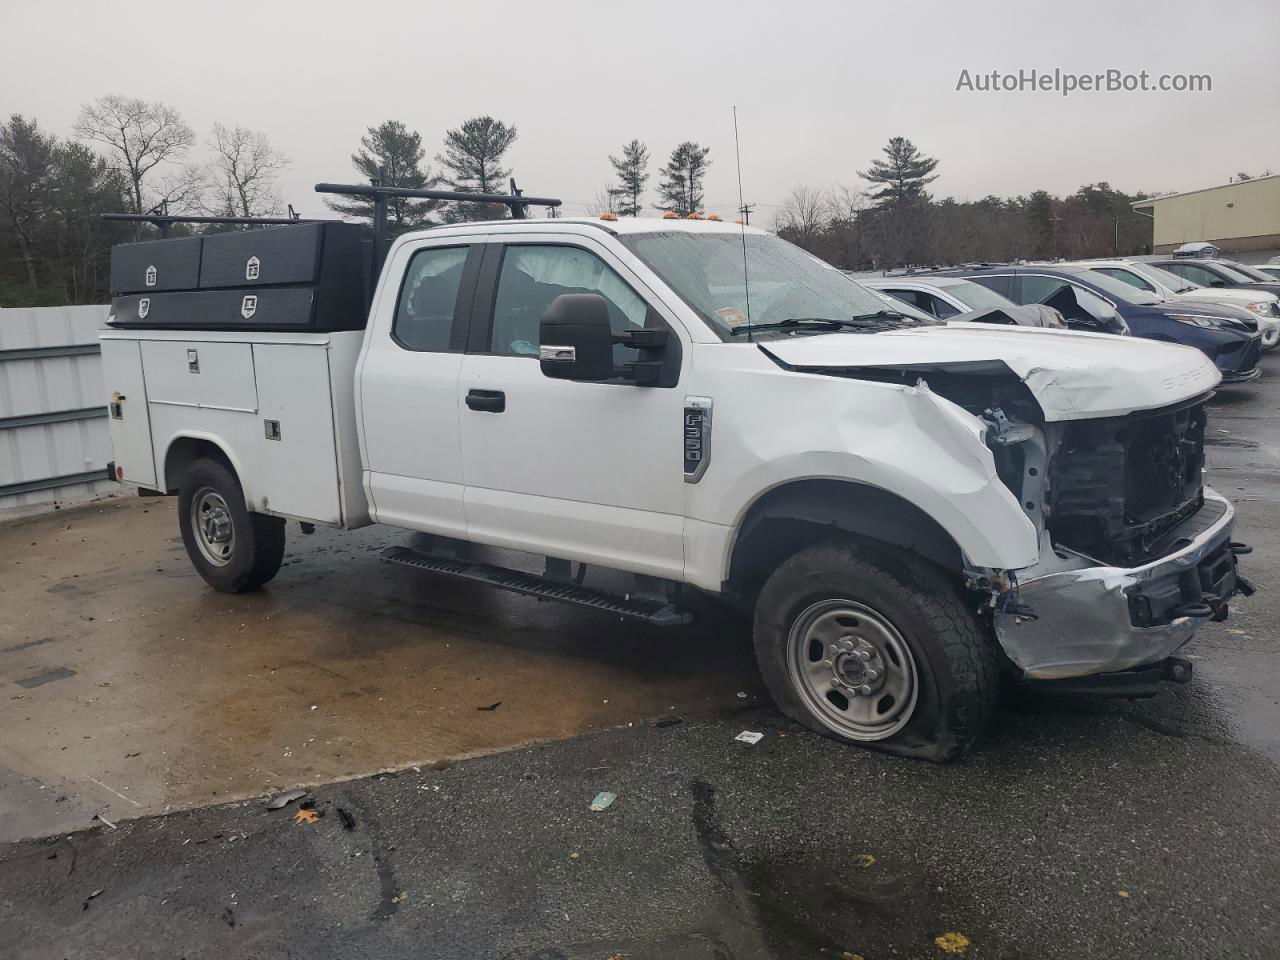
[426, 312]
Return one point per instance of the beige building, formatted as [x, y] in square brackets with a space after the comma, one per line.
[1237, 217]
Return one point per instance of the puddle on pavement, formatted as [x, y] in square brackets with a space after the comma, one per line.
[832, 900]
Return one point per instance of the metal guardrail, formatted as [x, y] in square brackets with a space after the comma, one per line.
[40, 353]
[54, 416]
[49, 483]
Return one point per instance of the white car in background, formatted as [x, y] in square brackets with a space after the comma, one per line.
[951, 298]
[1265, 307]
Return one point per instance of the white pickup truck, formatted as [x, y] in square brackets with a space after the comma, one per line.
[913, 513]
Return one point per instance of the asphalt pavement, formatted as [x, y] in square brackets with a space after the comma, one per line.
[1078, 828]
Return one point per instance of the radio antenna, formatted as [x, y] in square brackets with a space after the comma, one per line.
[742, 207]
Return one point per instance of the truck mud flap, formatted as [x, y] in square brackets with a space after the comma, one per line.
[531, 585]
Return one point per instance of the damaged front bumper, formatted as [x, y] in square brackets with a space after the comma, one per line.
[1069, 617]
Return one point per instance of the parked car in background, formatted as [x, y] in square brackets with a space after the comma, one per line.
[1220, 275]
[1198, 248]
[951, 298]
[1145, 276]
[1270, 269]
[1227, 335]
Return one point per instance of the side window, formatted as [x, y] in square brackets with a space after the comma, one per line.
[912, 297]
[938, 307]
[424, 315]
[1128, 277]
[1038, 289]
[1002, 285]
[533, 275]
[1196, 274]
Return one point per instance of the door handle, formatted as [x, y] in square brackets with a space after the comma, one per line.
[487, 401]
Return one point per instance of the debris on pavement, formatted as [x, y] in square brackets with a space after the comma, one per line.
[865, 860]
[953, 943]
[348, 821]
[101, 819]
[603, 801]
[92, 896]
[490, 708]
[284, 799]
[668, 721]
[306, 816]
[750, 736]
[742, 694]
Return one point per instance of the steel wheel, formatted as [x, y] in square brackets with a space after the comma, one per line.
[853, 670]
[215, 533]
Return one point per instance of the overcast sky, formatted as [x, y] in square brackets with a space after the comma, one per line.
[819, 86]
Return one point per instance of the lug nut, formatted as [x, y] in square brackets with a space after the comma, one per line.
[864, 689]
[872, 674]
[863, 655]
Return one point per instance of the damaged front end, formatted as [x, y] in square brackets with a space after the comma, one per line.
[1135, 551]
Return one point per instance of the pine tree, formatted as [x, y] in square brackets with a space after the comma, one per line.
[902, 176]
[398, 150]
[681, 185]
[472, 160]
[631, 178]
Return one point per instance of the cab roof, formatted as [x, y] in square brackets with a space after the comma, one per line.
[619, 227]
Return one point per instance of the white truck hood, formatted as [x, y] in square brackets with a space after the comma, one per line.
[1073, 375]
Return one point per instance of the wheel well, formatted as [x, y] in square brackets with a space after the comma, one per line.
[797, 515]
[185, 451]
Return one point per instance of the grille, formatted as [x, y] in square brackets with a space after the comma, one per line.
[1249, 359]
[1117, 484]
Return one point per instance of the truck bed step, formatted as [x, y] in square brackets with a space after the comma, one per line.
[635, 608]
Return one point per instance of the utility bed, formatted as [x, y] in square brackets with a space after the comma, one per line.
[283, 402]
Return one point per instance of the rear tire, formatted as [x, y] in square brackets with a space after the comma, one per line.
[875, 646]
[232, 549]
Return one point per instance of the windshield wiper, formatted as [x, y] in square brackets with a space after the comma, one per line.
[859, 322]
[879, 318]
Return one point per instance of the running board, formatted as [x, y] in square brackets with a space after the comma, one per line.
[635, 608]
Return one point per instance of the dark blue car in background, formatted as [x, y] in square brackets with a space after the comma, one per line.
[1092, 301]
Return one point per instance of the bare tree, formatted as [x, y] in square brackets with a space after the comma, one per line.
[803, 216]
[846, 202]
[244, 170]
[601, 202]
[140, 136]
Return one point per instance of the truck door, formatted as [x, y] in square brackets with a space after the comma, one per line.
[407, 386]
[583, 471]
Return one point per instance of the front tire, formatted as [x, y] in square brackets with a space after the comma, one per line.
[875, 646]
[232, 549]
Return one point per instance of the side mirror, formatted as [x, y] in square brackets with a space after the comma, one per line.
[575, 342]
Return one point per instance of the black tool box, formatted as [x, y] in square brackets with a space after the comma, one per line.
[303, 277]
